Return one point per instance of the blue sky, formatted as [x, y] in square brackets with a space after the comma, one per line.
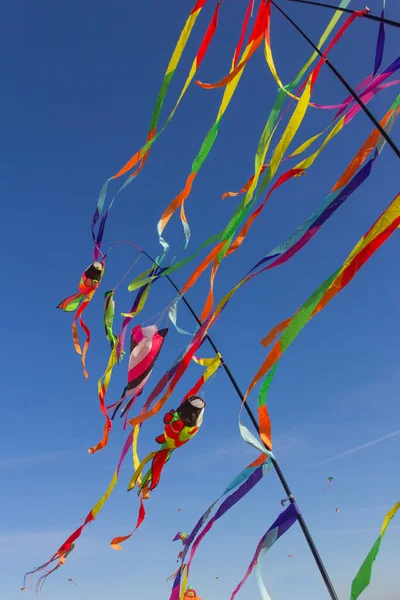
[80, 81]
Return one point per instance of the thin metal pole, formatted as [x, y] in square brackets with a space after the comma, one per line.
[277, 468]
[348, 87]
[348, 10]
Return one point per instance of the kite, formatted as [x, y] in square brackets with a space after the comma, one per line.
[181, 425]
[88, 284]
[337, 510]
[283, 501]
[330, 479]
[145, 347]
[180, 536]
[363, 577]
[77, 586]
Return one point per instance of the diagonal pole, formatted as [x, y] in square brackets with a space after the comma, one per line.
[289, 494]
[348, 10]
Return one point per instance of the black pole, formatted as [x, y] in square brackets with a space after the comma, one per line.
[348, 10]
[348, 87]
[300, 518]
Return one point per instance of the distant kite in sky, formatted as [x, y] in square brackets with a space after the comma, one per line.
[283, 502]
[73, 582]
[336, 510]
[330, 479]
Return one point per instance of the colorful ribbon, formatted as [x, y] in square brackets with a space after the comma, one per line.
[178, 202]
[363, 577]
[284, 522]
[142, 155]
[381, 230]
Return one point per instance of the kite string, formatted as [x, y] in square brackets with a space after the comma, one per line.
[135, 262]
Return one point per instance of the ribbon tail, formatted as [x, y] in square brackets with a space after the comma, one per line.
[115, 543]
[71, 303]
[139, 470]
[157, 467]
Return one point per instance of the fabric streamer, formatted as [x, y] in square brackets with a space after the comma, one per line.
[178, 202]
[88, 284]
[284, 522]
[218, 253]
[69, 544]
[363, 577]
[381, 230]
[142, 155]
[109, 314]
[335, 202]
[245, 482]
[42, 579]
[345, 186]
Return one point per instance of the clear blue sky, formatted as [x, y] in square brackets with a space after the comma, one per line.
[79, 82]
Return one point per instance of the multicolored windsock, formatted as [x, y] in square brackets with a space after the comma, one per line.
[146, 344]
[180, 426]
[88, 284]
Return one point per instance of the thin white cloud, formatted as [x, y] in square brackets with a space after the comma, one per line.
[358, 448]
